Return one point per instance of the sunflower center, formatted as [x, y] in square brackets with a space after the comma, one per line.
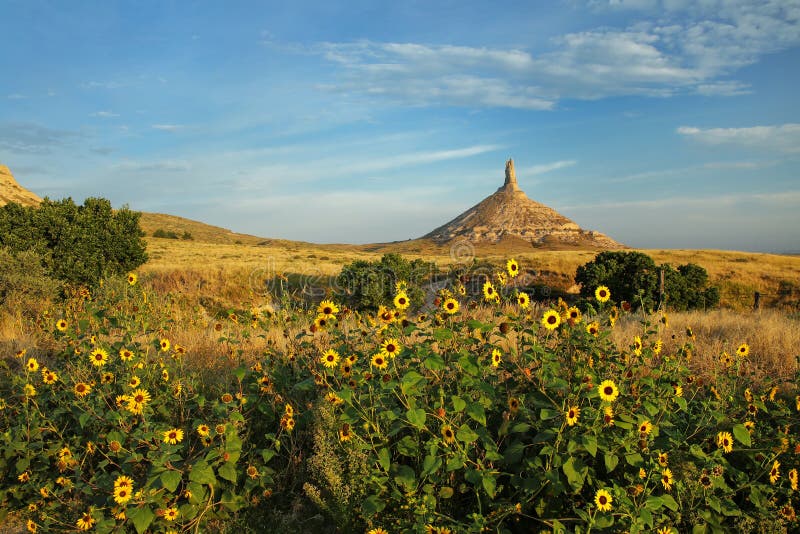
[603, 500]
[608, 390]
[330, 357]
[551, 319]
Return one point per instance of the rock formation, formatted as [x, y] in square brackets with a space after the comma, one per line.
[11, 191]
[509, 213]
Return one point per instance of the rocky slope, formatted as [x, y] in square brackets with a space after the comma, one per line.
[11, 191]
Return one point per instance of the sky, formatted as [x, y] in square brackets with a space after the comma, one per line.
[661, 123]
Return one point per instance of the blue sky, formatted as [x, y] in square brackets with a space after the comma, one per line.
[662, 123]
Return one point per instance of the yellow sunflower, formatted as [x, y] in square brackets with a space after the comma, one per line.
[390, 348]
[793, 479]
[450, 305]
[85, 522]
[171, 514]
[82, 389]
[523, 300]
[49, 377]
[637, 345]
[30, 391]
[122, 494]
[329, 358]
[447, 434]
[574, 315]
[645, 428]
[725, 441]
[344, 433]
[775, 472]
[32, 365]
[173, 436]
[602, 294]
[608, 390]
[667, 479]
[379, 361]
[489, 292]
[512, 268]
[134, 382]
[593, 328]
[327, 307]
[98, 357]
[401, 301]
[378, 530]
[61, 325]
[572, 415]
[743, 350]
[164, 344]
[551, 319]
[203, 430]
[125, 355]
[603, 500]
[132, 278]
[497, 357]
[663, 459]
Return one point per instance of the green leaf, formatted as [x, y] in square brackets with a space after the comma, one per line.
[170, 480]
[446, 492]
[476, 411]
[141, 518]
[654, 503]
[576, 472]
[372, 505]
[442, 334]
[430, 465]
[489, 484]
[741, 434]
[465, 434]
[458, 403]
[455, 463]
[202, 473]
[611, 461]
[669, 502]
[634, 459]
[405, 477]
[228, 471]
[434, 362]
[548, 413]
[407, 446]
[590, 444]
[383, 459]
[416, 417]
[702, 528]
[410, 381]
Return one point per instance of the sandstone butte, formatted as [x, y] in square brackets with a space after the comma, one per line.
[11, 191]
[510, 214]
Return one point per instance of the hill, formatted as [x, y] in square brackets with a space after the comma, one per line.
[11, 191]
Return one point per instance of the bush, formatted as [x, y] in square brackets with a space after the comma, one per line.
[634, 277]
[79, 244]
[370, 284]
[24, 283]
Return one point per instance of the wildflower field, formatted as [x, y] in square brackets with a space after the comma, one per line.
[471, 413]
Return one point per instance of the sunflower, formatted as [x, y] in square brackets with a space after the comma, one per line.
[663, 458]
[793, 479]
[122, 494]
[645, 428]
[329, 358]
[551, 319]
[513, 404]
[593, 328]
[750, 426]
[344, 433]
[134, 382]
[667, 479]
[401, 301]
[132, 278]
[706, 481]
[32, 365]
[608, 390]
[574, 315]
[98, 357]
[489, 292]
[378, 530]
[603, 500]
[775, 473]
[450, 305]
[572, 415]
[743, 350]
[164, 344]
[31, 526]
[85, 522]
[321, 321]
[447, 434]
[390, 348]
[61, 325]
[173, 436]
[203, 430]
[137, 401]
[49, 377]
[497, 357]
[788, 513]
[665, 530]
[678, 390]
[725, 441]
[328, 308]
[30, 390]
[82, 389]
[637, 345]
[379, 361]
[252, 471]
[171, 514]
[602, 294]
[512, 268]
[657, 346]
[523, 300]
[125, 355]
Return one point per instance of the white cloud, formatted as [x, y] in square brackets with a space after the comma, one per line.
[785, 137]
[168, 127]
[102, 85]
[104, 114]
[158, 166]
[17, 96]
[689, 48]
[546, 167]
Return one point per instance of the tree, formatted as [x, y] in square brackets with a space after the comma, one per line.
[79, 244]
[631, 276]
[369, 284]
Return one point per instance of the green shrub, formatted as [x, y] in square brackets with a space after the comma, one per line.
[370, 284]
[24, 282]
[80, 244]
[634, 277]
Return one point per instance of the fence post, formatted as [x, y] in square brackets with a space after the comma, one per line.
[756, 300]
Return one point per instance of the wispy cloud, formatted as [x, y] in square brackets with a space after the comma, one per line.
[102, 85]
[17, 96]
[168, 127]
[782, 198]
[784, 137]
[547, 167]
[150, 166]
[685, 51]
[33, 138]
[104, 114]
